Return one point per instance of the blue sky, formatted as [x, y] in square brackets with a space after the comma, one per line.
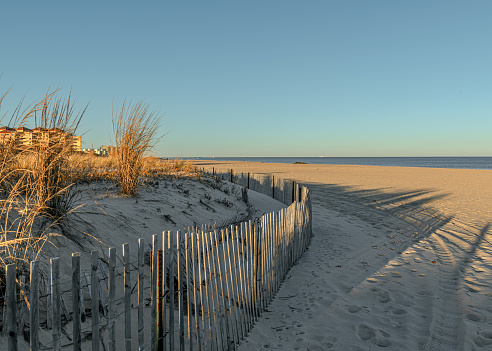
[265, 78]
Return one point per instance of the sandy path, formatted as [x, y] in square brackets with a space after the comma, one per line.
[400, 258]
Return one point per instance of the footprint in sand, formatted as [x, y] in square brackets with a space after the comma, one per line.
[379, 337]
[396, 274]
[353, 308]
[384, 296]
[483, 339]
[365, 332]
[474, 317]
[399, 311]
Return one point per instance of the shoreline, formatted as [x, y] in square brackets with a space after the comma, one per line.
[477, 162]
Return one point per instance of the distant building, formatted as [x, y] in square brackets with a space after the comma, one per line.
[106, 150]
[26, 137]
[101, 151]
[111, 149]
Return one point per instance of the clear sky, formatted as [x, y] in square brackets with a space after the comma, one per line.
[265, 78]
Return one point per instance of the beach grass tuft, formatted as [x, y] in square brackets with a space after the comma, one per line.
[135, 130]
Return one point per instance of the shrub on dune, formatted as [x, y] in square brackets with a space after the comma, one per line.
[135, 130]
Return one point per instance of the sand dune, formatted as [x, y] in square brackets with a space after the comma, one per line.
[400, 259]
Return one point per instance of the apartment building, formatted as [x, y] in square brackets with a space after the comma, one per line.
[106, 150]
[25, 137]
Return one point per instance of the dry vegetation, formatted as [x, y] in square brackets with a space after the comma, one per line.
[39, 183]
[135, 130]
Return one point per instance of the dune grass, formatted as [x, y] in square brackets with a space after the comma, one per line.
[135, 130]
[36, 181]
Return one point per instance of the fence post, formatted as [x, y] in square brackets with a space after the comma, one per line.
[273, 187]
[293, 191]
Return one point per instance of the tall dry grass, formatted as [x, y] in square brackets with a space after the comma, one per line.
[135, 130]
[52, 173]
[36, 181]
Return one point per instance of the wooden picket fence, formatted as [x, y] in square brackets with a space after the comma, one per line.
[204, 290]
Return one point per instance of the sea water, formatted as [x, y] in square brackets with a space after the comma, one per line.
[431, 162]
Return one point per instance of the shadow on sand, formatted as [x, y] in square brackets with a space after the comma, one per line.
[417, 218]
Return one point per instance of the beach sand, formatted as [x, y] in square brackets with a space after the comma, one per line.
[401, 258]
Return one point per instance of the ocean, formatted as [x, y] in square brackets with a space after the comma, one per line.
[430, 162]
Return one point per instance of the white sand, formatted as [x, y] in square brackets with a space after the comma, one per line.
[401, 259]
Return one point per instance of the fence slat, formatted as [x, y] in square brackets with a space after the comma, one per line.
[55, 302]
[140, 321]
[229, 286]
[95, 301]
[262, 263]
[34, 311]
[196, 285]
[180, 292]
[158, 298]
[128, 305]
[215, 291]
[23, 305]
[81, 295]
[48, 306]
[202, 283]
[153, 295]
[247, 291]
[221, 279]
[255, 258]
[188, 290]
[111, 298]
[10, 323]
[235, 294]
[75, 301]
[171, 289]
[102, 296]
[207, 280]
[165, 277]
[240, 262]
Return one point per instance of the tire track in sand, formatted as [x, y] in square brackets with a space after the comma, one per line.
[447, 329]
